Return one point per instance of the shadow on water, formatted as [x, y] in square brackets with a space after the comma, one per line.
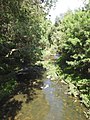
[28, 81]
[62, 106]
[30, 102]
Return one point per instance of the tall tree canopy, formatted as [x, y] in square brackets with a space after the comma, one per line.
[22, 27]
[72, 36]
[23, 36]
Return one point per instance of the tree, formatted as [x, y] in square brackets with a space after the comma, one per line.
[23, 36]
[72, 35]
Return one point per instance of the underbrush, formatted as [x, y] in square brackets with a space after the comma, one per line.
[78, 87]
[7, 86]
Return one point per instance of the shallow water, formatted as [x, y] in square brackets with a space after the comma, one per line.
[62, 106]
[50, 103]
[45, 99]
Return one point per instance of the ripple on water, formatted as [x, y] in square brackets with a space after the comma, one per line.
[62, 106]
[50, 103]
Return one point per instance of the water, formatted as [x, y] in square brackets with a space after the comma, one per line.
[47, 101]
[62, 106]
[50, 103]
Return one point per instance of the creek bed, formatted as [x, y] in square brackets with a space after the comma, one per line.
[62, 106]
[45, 99]
[50, 103]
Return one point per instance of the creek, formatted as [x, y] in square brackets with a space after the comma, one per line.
[45, 99]
[49, 103]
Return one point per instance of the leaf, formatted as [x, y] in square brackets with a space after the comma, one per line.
[74, 41]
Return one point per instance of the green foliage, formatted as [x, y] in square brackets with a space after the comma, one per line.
[72, 35]
[23, 36]
[6, 87]
[75, 49]
[21, 33]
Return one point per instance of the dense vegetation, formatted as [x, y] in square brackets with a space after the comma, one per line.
[23, 36]
[72, 36]
[25, 32]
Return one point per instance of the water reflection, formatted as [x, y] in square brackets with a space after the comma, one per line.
[49, 103]
[62, 106]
